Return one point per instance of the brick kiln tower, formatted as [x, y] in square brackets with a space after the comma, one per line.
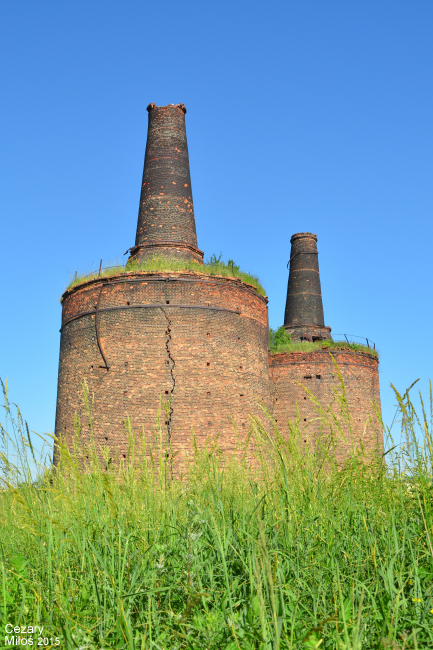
[198, 341]
[292, 372]
[166, 222]
[303, 317]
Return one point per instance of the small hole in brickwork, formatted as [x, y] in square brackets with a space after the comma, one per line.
[305, 419]
[276, 420]
[241, 367]
[91, 367]
[128, 303]
[239, 338]
[124, 455]
[305, 441]
[243, 424]
[208, 364]
[318, 376]
[166, 392]
[69, 344]
[305, 398]
[167, 363]
[307, 376]
[167, 302]
[241, 394]
[276, 399]
[208, 393]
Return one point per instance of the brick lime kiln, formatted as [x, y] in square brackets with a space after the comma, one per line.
[292, 372]
[198, 342]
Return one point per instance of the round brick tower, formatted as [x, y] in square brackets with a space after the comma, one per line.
[304, 318]
[292, 372]
[197, 341]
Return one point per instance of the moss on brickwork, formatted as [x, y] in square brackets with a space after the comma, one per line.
[213, 266]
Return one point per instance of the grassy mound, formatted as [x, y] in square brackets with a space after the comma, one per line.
[300, 558]
[280, 341]
[214, 266]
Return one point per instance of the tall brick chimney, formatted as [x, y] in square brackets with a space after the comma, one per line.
[166, 222]
[304, 318]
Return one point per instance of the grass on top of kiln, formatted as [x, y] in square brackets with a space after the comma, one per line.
[215, 265]
[280, 341]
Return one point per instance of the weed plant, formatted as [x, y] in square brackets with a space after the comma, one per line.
[215, 265]
[302, 557]
[280, 341]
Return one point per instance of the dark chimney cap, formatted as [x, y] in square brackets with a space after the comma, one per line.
[181, 106]
[300, 235]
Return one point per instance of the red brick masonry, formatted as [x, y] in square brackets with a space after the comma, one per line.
[200, 340]
[290, 372]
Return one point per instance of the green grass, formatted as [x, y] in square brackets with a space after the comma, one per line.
[214, 266]
[300, 558]
[306, 346]
[280, 342]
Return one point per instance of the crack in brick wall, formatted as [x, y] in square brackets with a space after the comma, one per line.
[172, 365]
[188, 354]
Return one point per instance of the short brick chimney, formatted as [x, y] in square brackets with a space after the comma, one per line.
[304, 318]
[166, 222]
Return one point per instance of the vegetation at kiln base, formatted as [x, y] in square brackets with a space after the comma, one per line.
[285, 556]
[215, 265]
[280, 341]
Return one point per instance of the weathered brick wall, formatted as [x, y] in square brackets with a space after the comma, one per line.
[209, 355]
[316, 371]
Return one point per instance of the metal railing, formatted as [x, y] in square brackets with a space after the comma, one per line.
[352, 338]
[101, 269]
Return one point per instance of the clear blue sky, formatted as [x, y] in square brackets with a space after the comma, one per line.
[302, 116]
